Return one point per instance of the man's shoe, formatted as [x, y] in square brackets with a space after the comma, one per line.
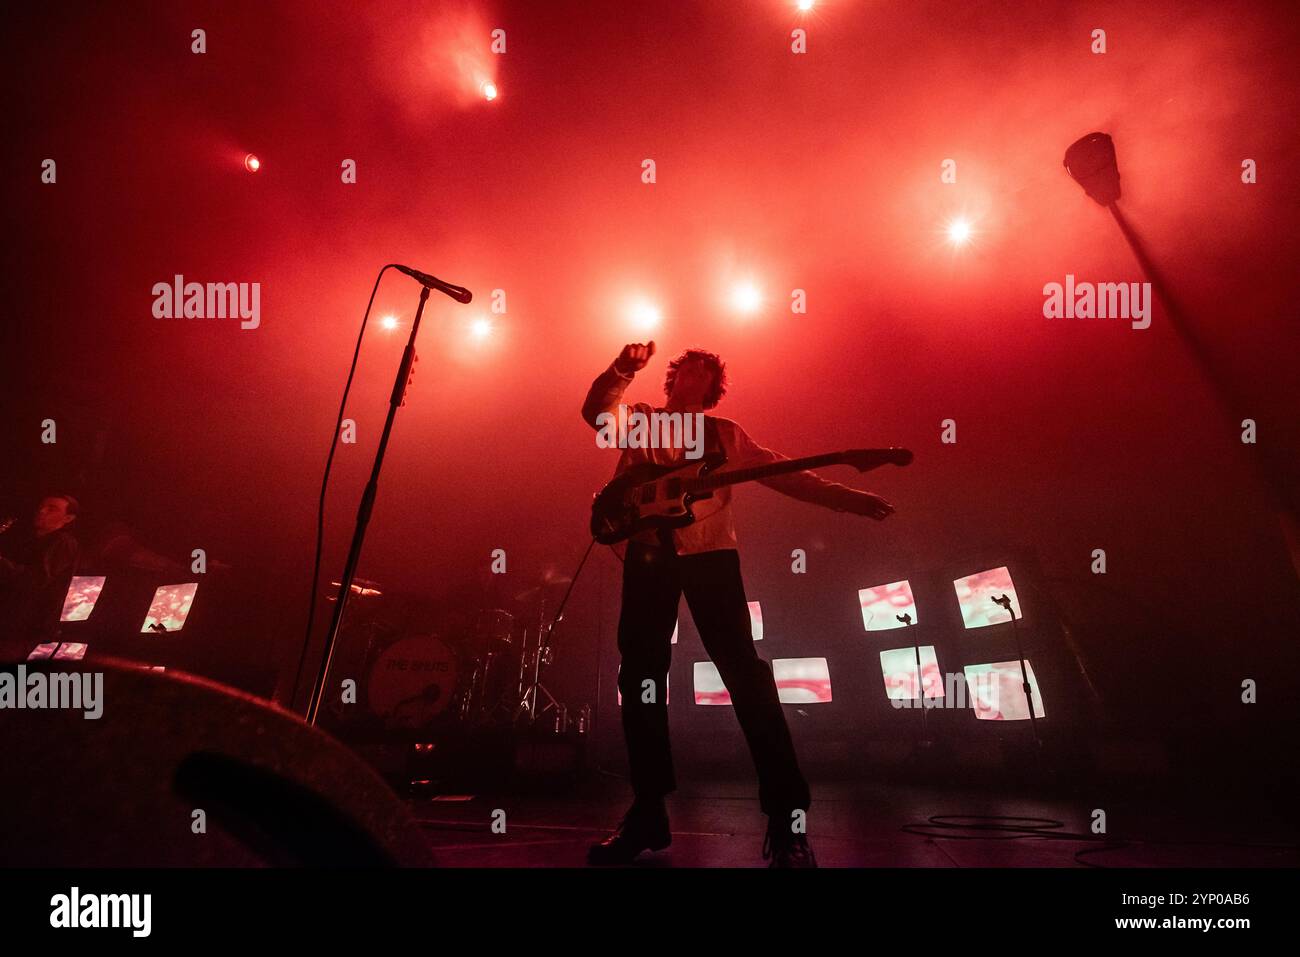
[786, 849]
[640, 830]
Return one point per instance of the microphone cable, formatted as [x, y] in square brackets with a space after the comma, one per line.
[325, 479]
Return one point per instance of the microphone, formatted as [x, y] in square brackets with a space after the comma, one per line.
[459, 293]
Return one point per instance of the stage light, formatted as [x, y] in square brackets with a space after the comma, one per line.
[1091, 162]
[645, 316]
[480, 329]
[746, 297]
[252, 163]
[389, 322]
[805, 5]
[959, 232]
[489, 90]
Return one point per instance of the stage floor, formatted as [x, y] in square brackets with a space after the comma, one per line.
[718, 824]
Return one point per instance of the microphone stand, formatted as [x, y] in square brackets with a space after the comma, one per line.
[396, 400]
[1005, 602]
[906, 619]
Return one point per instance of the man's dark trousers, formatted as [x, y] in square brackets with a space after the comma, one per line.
[654, 579]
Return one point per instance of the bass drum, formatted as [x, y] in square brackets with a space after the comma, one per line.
[413, 682]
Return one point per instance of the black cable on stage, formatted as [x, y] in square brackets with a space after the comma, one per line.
[1014, 828]
[325, 479]
[1024, 827]
[1116, 844]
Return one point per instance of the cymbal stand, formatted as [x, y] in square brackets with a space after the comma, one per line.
[543, 655]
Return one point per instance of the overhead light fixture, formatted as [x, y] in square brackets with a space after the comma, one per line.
[1091, 162]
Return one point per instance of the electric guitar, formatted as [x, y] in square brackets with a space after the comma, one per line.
[660, 496]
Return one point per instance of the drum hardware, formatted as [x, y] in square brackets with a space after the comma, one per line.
[467, 702]
[487, 701]
[464, 677]
[540, 591]
[365, 634]
[542, 653]
[361, 644]
[480, 670]
[531, 684]
[493, 626]
[361, 588]
[492, 646]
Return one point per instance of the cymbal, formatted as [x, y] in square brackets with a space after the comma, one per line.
[537, 590]
[361, 586]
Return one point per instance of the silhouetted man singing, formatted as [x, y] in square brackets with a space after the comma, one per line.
[700, 561]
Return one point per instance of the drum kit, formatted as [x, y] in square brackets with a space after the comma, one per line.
[476, 669]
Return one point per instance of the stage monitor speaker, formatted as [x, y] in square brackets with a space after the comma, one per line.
[180, 771]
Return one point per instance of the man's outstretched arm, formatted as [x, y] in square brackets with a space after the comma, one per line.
[607, 391]
[807, 486]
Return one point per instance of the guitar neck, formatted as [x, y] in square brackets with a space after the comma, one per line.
[735, 477]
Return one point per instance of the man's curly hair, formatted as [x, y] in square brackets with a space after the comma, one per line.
[715, 364]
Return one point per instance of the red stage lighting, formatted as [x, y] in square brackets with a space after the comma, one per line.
[805, 5]
[252, 163]
[480, 329]
[959, 232]
[489, 90]
[746, 298]
[645, 316]
[389, 322]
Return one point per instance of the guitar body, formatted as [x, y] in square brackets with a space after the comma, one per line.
[648, 496]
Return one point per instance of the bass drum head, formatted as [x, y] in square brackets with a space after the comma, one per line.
[413, 681]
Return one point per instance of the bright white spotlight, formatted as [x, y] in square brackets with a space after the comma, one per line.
[480, 329]
[959, 232]
[252, 163]
[805, 5]
[389, 322]
[489, 90]
[645, 316]
[746, 297]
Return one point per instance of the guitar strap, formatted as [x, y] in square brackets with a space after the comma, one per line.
[712, 445]
[712, 440]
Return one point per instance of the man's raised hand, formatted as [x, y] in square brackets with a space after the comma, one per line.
[634, 357]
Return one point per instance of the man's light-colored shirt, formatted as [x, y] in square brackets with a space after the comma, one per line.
[714, 525]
